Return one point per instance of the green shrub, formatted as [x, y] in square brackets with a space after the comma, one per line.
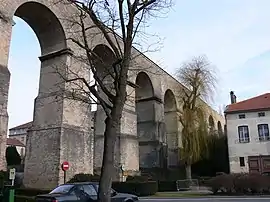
[137, 188]
[240, 184]
[30, 192]
[24, 199]
[3, 178]
[81, 177]
[167, 186]
[12, 156]
[137, 178]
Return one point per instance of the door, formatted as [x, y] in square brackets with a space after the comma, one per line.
[82, 193]
[254, 164]
[259, 164]
[265, 163]
[91, 192]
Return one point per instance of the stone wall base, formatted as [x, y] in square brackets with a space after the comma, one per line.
[47, 149]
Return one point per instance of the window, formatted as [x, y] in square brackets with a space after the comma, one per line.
[242, 116]
[243, 134]
[90, 190]
[260, 114]
[263, 131]
[242, 161]
[62, 189]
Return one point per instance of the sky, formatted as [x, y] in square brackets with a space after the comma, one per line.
[234, 35]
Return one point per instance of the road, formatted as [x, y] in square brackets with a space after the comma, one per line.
[212, 199]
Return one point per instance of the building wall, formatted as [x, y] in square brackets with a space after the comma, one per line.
[253, 148]
[21, 137]
[19, 134]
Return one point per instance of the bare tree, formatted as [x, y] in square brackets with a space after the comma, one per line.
[117, 23]
[198, 76]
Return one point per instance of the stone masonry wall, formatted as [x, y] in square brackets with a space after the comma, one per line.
[61, 131]
[57, 122]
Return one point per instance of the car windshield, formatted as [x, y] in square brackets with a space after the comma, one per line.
[62, 189]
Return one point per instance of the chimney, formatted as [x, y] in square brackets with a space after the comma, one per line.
[233, 97]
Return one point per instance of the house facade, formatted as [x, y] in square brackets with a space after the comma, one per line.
[18, 144]
[17, 137]
[247, 125]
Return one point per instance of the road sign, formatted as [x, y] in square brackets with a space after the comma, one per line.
[65, 166]
[12, 173]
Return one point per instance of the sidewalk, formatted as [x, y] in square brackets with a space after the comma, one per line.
[198, 190]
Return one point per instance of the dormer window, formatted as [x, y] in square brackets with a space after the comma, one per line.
[242, 116]
[261, 114]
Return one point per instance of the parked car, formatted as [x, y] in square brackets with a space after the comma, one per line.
[83, 192]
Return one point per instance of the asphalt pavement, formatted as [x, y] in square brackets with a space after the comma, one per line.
[210, 199]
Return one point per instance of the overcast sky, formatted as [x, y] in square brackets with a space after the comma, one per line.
[234, 34]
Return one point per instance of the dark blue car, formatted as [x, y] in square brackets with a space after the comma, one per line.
[83, 192]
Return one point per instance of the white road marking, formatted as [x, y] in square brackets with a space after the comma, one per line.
[203, 199]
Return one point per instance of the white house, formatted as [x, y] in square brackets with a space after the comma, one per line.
[19, 133]
[18, 144]
[248, 134]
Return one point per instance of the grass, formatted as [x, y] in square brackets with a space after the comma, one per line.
[179, 194]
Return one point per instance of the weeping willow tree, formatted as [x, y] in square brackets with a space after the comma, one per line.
[198, 76]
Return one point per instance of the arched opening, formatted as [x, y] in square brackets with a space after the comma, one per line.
[47, 37]
[36, 32]
[23, 64]
[145, 89]
[171, 127]
[104, 63]
[45, 24]
[145, 110]
[220, 131]
[211, 124]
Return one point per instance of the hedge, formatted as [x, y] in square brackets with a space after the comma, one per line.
[30, 192]
[240, 184]
[24, 199]
[137, 188]
[167, 186]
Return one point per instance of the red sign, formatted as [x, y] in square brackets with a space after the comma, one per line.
[65, 166]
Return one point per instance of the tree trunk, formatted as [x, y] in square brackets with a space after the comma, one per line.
[104, 193]
[112, 127]
[188, 172]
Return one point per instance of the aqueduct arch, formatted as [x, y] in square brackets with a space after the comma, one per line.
[220, 130]
[126, 151]
[150, 126]
[145, 115]
[171, 126]
[211, 123]
[56, 125]
[61, 125]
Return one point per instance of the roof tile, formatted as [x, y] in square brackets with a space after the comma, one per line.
[256, 103]
[14, 142]
[23, 126]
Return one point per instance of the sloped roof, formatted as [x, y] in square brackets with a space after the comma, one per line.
[23, 126]
[260, 102]
[14, 142]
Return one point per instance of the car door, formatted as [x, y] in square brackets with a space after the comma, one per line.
[81, 195]
[113, 198]
[91, 191]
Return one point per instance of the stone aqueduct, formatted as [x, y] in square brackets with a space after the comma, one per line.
[61, 129]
